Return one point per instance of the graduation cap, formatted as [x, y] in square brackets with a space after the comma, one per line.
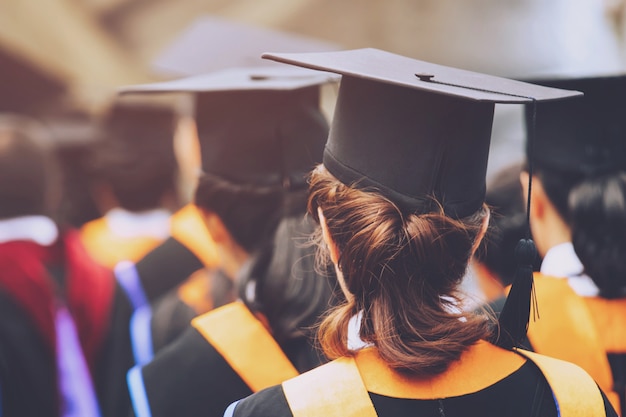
[137, 121]
[417, 131]
[260, 126]
[412, 129]
[211, 44]
[586, 135]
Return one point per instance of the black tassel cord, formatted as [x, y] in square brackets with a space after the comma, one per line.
[515, 316]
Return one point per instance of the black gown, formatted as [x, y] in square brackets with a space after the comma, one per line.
[28, 369]
[190, 378]
[524, 393]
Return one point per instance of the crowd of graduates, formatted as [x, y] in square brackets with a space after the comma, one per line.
[259, 257]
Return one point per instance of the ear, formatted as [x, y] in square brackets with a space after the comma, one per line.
[538, 198]
[330, 243]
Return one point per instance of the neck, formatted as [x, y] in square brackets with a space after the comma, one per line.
[550, 232]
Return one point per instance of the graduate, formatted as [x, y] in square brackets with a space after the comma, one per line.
[261, 131]
[179, 279]
[400, 201]
[64, 347]
[134, 183]
[578, 219]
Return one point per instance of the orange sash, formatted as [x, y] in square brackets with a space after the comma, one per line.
[109, 249]
[246, 345]
[610, 319]
[196, 292]
[566, 330]
[189, 229]
[340, 388]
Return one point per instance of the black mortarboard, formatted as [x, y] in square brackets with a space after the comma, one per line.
[412, 129]
[415, 130]
[586, 135]
[211, 44]
[258, 126]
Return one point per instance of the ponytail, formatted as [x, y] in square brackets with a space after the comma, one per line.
[402, 270]
[598, 219]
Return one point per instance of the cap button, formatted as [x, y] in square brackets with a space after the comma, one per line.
[425, 77]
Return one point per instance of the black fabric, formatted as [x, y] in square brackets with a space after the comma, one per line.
[190, 378]
[411, 145]
[585, 135]
[493, 310]
[166, 267]
[170, 318]
[524, 393]
[116, 358]
[261, 137]
[27, 366]
[618, 369]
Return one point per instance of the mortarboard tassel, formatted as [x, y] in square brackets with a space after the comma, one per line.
[515, 315]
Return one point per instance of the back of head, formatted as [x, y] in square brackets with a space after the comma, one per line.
[580, 156]
[136, 159]
[283, 282]
[260, 131]
[28, 176]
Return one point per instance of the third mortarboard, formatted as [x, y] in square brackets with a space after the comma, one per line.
[211, 44]
[416, 131]
[259, 126]
[412, 129]
[586, 135]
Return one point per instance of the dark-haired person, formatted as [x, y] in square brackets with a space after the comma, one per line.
[134, 176]
[578, 219]
[400, 200]
[261, 131]
[64, 344]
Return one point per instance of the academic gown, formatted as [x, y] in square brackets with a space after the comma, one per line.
[523, 393]
[171, 287]
[191, 378]
[575, 324]
[28, 362]
[173, 283]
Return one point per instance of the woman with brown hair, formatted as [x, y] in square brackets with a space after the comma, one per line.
[400, 198]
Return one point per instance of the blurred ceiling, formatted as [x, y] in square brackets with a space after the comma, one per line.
[89, 47]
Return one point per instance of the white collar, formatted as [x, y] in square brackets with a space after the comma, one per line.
[354, 339]
[154, 223]
[38, 229]
[561, 261]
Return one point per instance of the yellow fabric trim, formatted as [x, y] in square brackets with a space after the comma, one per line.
[340, 388]
[108, 249]
[189, 229]
[196, 292]
[331, 390]
[462, 377]
[566, 330]
[246, 345]
[610, 319]
[576, 393]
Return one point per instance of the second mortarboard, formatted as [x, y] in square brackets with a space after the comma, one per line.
[586, 135]
[414, 130]
[260, 126]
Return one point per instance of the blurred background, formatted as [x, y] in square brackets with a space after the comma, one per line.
[62, 60]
